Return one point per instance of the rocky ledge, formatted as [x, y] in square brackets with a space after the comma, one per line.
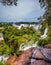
[32, 56]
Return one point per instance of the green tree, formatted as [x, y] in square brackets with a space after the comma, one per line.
[47, 5]
[5, 49]
[9, 2]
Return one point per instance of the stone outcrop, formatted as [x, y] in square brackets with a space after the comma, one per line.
[40, 62]
[48, 46]
[23, 59]
[32, 56]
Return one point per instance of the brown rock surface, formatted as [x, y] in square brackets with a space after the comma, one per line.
[23, 59]
[48, 50]
[40, 62]
[12, 59]
[37, 54]
[48, 46]
[26, 57]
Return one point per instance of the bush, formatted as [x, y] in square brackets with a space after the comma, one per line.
[45, 41]
[5, 50]
[42, 42]
[2, 63]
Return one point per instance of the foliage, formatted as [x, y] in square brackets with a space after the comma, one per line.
[49, 31]
[2, 63]
[44, 25]
[47, 5]
[14, 37]
[45, 41]
[9, 2]
[5, 49]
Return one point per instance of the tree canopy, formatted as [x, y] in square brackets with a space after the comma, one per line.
[47, 5]
[9, 2]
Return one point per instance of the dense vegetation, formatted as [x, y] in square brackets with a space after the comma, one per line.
[14, 37]
[1, 63]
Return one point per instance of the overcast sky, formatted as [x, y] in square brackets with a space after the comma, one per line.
[27, 11]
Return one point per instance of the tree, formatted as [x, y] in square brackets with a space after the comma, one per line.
[47, 5]
[9, 2]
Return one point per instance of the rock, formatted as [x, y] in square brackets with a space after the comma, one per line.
[42, 53]
[48, 50]
[12, 59]
[38, 55]
[48, 46]
[40, 62]
[23, 59]
[32, 56]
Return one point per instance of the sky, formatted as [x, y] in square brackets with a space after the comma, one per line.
[26, 11]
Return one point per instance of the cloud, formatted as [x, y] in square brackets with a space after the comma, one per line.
[25, 10]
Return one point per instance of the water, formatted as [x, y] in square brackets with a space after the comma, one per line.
[45, 34]
[26, 25]
[25, 47]
[18, 26]
[3, 58]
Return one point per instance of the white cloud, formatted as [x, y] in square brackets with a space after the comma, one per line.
[20, 12]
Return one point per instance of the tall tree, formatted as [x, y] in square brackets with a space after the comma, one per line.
[9, 2]
[47, 5]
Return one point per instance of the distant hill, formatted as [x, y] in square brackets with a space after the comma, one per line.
[19, 22]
